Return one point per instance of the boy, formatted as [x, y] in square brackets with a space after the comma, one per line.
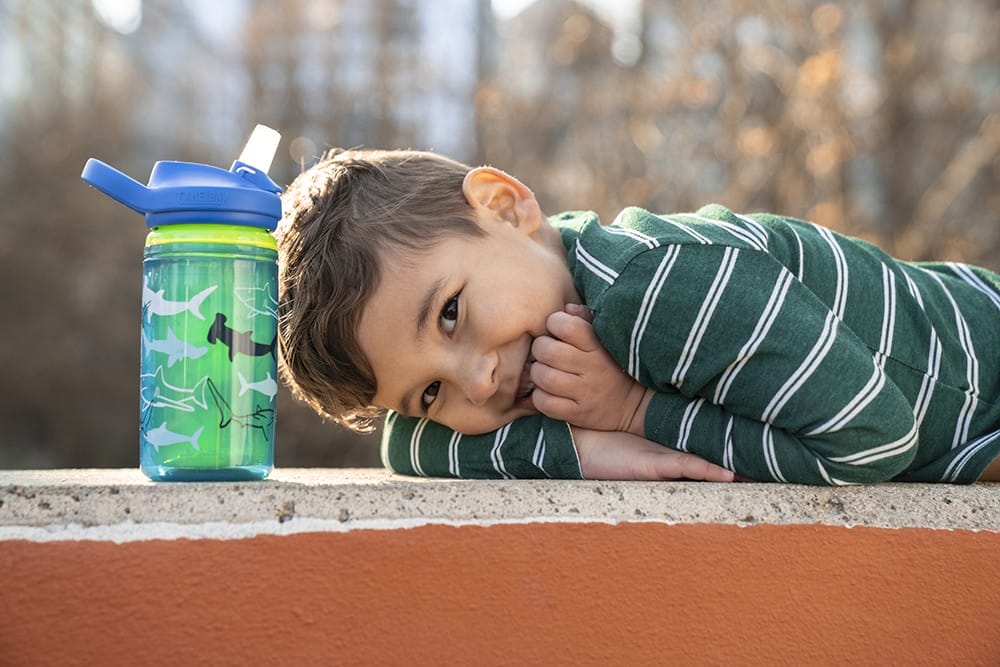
[767, 346]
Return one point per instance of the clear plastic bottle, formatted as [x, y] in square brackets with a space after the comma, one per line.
[208, 375]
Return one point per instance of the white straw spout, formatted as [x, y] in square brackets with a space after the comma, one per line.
[260, 148]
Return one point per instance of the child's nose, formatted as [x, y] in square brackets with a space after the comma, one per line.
[480, 378]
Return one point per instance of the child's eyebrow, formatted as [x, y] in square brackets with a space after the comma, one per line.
[423, 315]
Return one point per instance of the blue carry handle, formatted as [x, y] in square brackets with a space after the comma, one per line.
[186, 192]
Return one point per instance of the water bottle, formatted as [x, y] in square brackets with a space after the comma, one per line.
[208, 375]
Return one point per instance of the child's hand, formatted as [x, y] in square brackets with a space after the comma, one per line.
[609, 455]
[577, 381]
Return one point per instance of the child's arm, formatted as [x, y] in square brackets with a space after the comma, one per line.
[528, 448]
[617, 455]
[534, 447]
[774, 389]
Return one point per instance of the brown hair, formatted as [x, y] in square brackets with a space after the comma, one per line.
[340, 217]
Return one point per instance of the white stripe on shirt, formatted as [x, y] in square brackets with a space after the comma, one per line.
[496, 457]
[649, 300]
[453, 466]
[595, 266]
[829, 480]
[538, 457]
[923, 401]
[894, 448]
[966, 274]
[971, 370]
[912, 286]
[840, 262]
[737, 232]
[755, 227]
[390, 420]
[934, 353]
[708, 306]
[418, 431]
[809, 365]
[700, 238]
[769, 456]
[888, 314]
[727, 453]
[802, 254]
[860, 401]
[767, 318]
[955, 468]
[649, 241]
[687, 421]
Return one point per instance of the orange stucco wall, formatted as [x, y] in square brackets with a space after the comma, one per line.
[535, 593]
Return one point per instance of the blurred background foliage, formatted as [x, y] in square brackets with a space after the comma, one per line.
[879, 118]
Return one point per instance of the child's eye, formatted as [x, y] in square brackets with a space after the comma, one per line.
[449, 314]
[429, 395]
[448, 319]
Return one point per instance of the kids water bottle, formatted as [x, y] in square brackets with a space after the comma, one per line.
[208, 375]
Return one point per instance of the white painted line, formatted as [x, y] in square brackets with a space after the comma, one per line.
[123, 533]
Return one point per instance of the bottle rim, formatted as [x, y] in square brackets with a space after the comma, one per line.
[211, 233]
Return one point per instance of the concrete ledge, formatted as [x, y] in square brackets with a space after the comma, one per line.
[77, 504]
[102, 567]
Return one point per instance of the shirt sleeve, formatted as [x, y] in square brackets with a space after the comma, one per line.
[752, 370]
[528, 448]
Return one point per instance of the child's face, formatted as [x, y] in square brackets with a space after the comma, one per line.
[448, 331]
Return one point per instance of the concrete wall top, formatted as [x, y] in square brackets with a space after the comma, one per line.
[122, 506]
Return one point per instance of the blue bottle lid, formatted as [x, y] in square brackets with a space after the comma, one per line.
[186, 192]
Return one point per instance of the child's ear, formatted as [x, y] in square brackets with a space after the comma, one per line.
[502, 197]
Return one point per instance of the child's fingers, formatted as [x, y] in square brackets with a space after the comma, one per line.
[555, 407]
[556, 353]
[573, 330]
[556, 382]
[579, 310]
[683, 465]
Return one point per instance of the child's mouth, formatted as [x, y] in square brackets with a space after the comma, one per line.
[525, 386]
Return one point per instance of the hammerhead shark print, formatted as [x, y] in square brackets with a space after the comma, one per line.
[261, 418]
[239, 341]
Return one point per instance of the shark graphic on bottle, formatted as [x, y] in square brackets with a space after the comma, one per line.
[209, 348]
[154, 303]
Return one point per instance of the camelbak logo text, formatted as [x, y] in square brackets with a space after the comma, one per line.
[203, 198]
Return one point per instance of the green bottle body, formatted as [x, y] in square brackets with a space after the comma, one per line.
[208, 378]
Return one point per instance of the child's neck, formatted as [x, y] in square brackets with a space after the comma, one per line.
[551, 238]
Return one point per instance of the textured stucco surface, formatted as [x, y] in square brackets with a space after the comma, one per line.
[359, 567]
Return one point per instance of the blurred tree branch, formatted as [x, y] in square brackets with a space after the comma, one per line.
[881, 119]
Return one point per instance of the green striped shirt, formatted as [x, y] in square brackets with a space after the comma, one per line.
[778, 348]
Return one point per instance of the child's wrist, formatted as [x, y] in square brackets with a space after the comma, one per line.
[636, 424]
